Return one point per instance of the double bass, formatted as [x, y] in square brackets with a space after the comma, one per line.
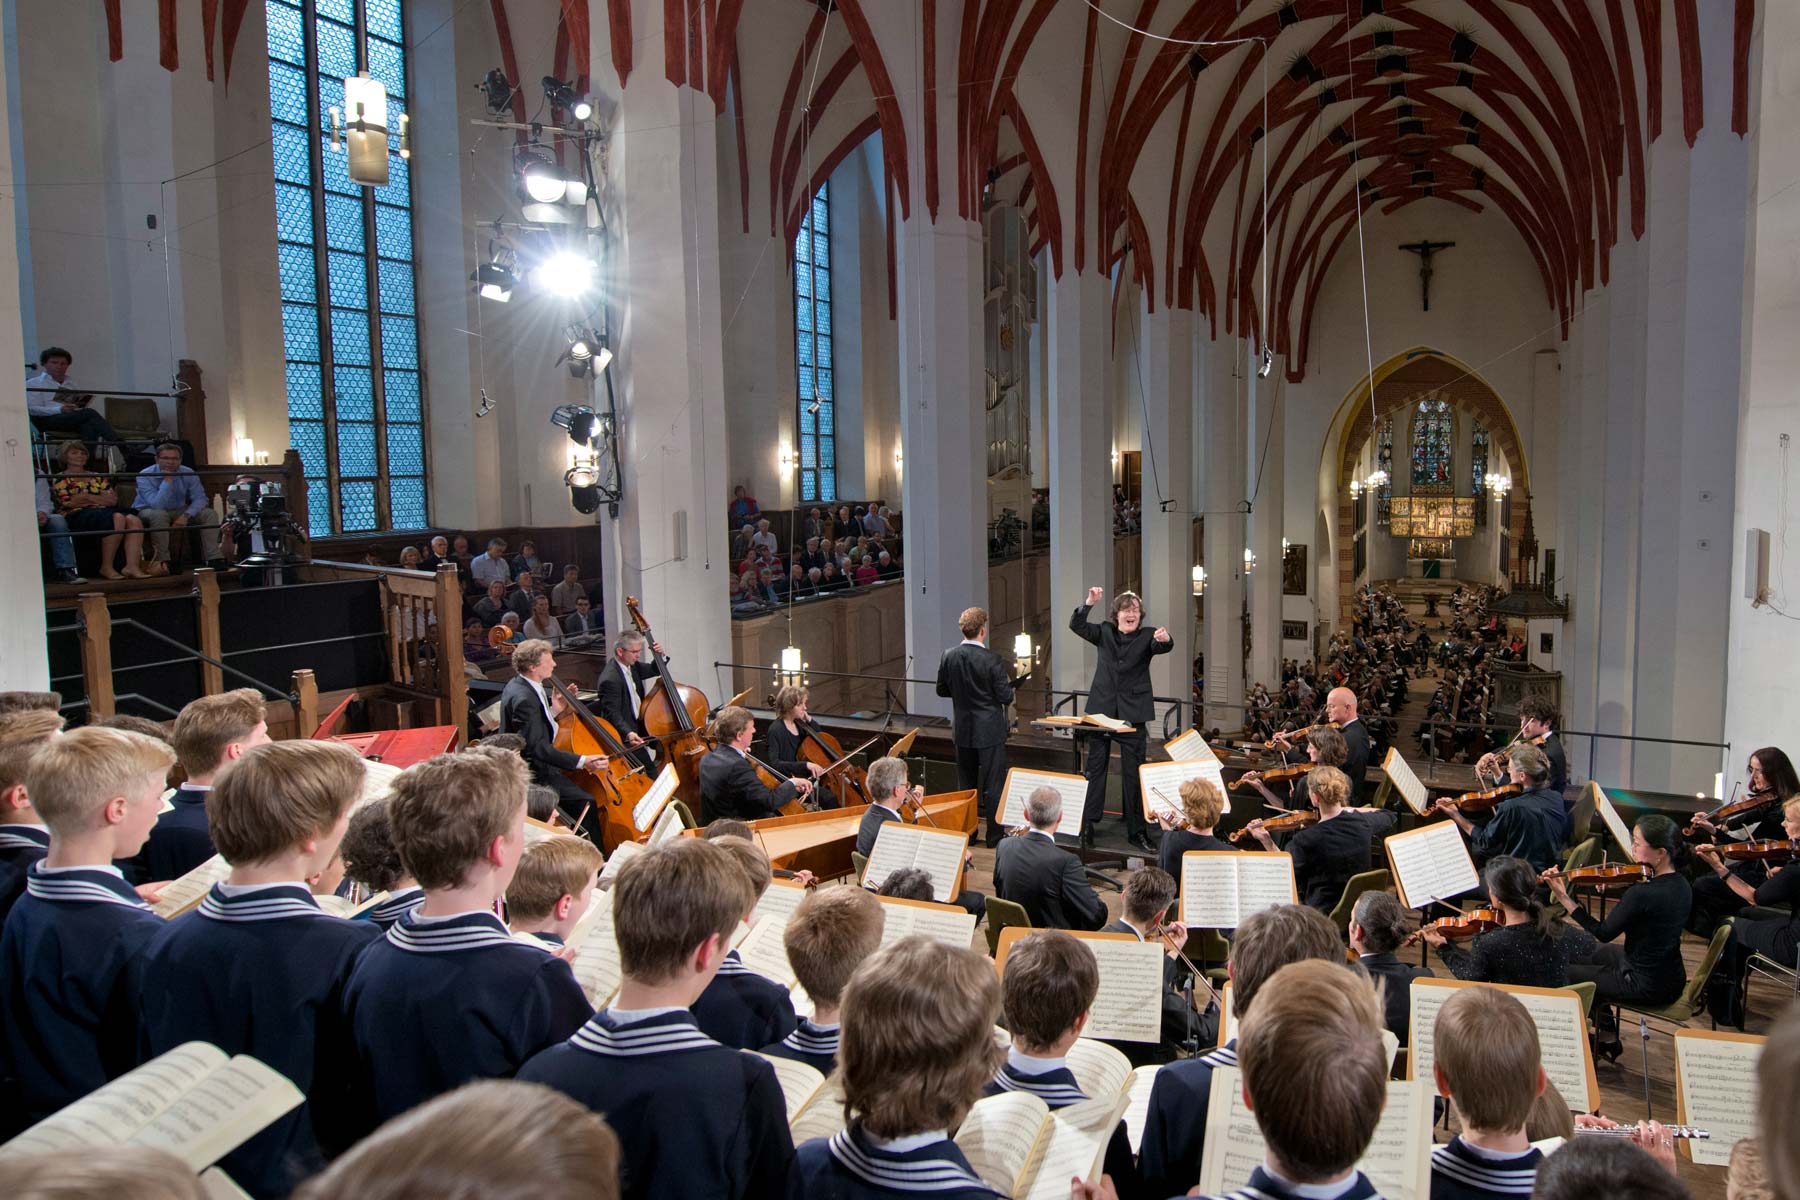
[675, 716]
[615, 787]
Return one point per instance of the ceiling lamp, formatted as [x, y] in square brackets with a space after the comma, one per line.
[1498, 484]
[791, 670]
[1199, 580]
[1023, 650]
[361, 127]
[1249, 560]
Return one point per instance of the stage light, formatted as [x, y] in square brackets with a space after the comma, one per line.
[539, 179]
[581, 475]
[499, 89]
[564, 274]
[588, 353]
[578, 419]
[563, 96]
[584, 492]
[494, 282]
[1267, 364]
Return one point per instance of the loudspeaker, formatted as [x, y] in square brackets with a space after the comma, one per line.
[1756, 564]
[678, 535]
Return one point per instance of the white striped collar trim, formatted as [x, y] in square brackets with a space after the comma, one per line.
[812, 1039]
[1048, 1087]
[81, 885]
[1458, 1161]
[733, 965]
[666, 1034]
[24, 837]
[272, 902]
[1224, 1056]
[465, 931]
[872, 1165]
[397, 905]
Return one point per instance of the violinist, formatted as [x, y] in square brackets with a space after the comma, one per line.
[1340, 710]
[530, 708]
[1527, 826]
[1648, 969]
[1757, 930]
[1771, 776]
[1149, 894]
[1328, 853]
[1537, 727]
[1325, 747]
[729, 783]
[621, 688]
[788, 732]
[1202, 803]
[1527, 949]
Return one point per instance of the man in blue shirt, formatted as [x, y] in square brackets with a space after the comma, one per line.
[170, 496]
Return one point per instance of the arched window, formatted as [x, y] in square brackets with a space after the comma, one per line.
[1478, 469]
[349, 321]
[812, 351]
[1432, 448]
[1384, 458]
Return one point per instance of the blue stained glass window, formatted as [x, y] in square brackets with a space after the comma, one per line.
[1478, 469]
[329, 350]
[809, 455]
[1432, 449]
[812, 349]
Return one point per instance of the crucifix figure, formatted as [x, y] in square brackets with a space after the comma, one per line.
[1425, 250]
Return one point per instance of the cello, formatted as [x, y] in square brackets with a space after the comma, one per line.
[674, 714]
[615, 787]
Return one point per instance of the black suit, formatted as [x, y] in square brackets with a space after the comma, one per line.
[1048, 882]
[975, 681]
[1180, 1023]
[1355, 768]
[1397, 992]
[1121, 689]
[730, 787]
[873, 818]
[522, 712]
[615, 703]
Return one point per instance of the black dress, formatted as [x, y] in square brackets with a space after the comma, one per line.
[1649, 969]
[1513, 954]
[1178, 842]
[1326, 855]
[1758, 930]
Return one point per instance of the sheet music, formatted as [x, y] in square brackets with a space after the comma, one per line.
[1166, 778]
[1065, 1152]
[623, 853]
[1021, 783]
[1101, 1070]
[221, 1112]
[1128, 1006]
[764, 951]
[668, 826]
[1615, 824]
[1137, 1105]
[191, 888]
[377, 782]
[1110, 724]
[1716, 1080]
[1189, 747]
[596, 967]
[936, 851]
[111, 1114]
[1431, 863]
[1397, 1162]
[651, 802]
[779, 900]
[999, 1136]
[1406, 782]
[219, 1186]
[540, 831]
[798, 1081]
[1562, 1034]
[951, 926]
[1219, 888]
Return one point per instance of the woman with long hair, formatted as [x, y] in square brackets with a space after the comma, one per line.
[1527, 949]
[1771, 775]
[1759, 927]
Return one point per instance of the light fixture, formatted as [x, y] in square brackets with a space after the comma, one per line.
[498, 277]
[539, 180]
[791, 670]
[1022, 648]
[563, 96]
[1356, 487]
[245, 452]
[1249, 560]
[564, 274]
[580, 420]
[584, 491]
[1498, 484]
[365, 124]
[499, 90]
[1267, 364]
[786, 459]
[1115, 459]
[587, 353]
[262, 458]
[1199, 580]
[405, 135]
[1377, 478]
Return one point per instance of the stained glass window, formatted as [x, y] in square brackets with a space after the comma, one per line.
[1384, 458]
[356, 410]
[1433, 451]
[1478, 469]
[812, 351]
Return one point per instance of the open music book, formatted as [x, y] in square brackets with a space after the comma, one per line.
[1397, 1162]
[651, 803]
[1430, 862]
[1021, 783]
[1018, 1146]
[815, 1102]
[668, 825]
[1128, 1006]
[1406, 782]
[941, 852]
[1189, 747]
[196, 1102]
[944, 923]
[623, 853]
[378, 781]
[1562, 1034]
[191, 889]
[1161, 783]
[1615, 824]
[1219, 888]
[597, 967]
[1715, 1088]
[343, 906]
[1137, 1105]
[1096, 720]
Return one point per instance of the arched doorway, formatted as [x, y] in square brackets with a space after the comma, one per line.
[1400, 384]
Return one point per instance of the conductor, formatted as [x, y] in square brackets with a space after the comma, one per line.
[1121, 689]
[975, 681]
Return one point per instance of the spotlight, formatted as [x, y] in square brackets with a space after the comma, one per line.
[588, 353]
[584, 492]
[578, 419]
[539, 180]
[581, 475]
[563, 96]
[499, 89]
[564, 274]
[1268, 363]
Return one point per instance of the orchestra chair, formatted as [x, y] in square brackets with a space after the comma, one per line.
[1690, 1004]
[859, 863]
[1585, 989]
[1769, 968]
[1000, 915]
[1583, 854]
[1581, 817]
[1354, 887]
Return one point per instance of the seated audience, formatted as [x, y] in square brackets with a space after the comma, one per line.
[515, 629]
[694, 1118]
[764, 539]
[866, 573]
[564, 594]
[1047, 881]
[917, 1049]
[743, 506]
[210, 734]
[826, 939]
[56, 526]
[523, 595]
[492, 566]
[526, 561]
[583, 626]
[171, 496]
[56, 405]
[491, 607]
[887, 566]
[541, 624]
[551, 891]
[258, 968]
[475, 643]
[72, 950]
[483, 1139]
[89, 503]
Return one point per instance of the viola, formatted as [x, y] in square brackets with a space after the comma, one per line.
[1285, 823]
[674, 713]
[1758, 850]
[1732, 813]
[1602, 876]
[1463, 925]
[615, 787]
[1274, 775]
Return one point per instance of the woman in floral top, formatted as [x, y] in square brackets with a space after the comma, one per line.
[89, 503]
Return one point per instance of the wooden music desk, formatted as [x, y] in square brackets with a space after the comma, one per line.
[821, 841]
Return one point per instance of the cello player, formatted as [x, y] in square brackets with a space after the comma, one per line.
[530, 709]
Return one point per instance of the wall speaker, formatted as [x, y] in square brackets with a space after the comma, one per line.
[1756, 565]
[678, 535]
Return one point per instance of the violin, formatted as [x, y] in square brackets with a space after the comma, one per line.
[617, 785]
[674, 713]
[1285, 823]
[1757, 850]
[1732, 812]
[1296, 735]
[1273, 775]
[1602, 876]
[1491, 798]
[1463, 925]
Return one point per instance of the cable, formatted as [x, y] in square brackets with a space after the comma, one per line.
[1362, 254]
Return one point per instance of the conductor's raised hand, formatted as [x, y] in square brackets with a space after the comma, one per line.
[1095, 595]
[1161, 634]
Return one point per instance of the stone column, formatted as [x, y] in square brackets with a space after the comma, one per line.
[1266, 526]
[1223, 414]
[1077, 319]
[1167, 349]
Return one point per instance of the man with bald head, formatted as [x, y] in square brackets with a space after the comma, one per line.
[1340, 709]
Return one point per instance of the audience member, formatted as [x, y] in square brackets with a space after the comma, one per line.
[540, 624]
[743, 506]
[89, 503]
[564, 595]
[56, 526]
[492, 566]
[171, 496]
[56, 405]
[491, 607]
[526, 561]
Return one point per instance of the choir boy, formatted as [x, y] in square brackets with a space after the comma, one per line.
[694, 1118]
[259, 968]
[371, 860]
[740, 1008]
[210, 734]
[917, 1049]
[829, 936]
[551, 891]
[73, 944]
[23, 836]
[1487, 1062]
[449, 995]
[1048, 991]
[1175, 1124]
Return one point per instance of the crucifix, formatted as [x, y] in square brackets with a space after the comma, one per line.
[1425, 250]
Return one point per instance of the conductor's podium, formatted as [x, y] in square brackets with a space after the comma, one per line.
[821, 841]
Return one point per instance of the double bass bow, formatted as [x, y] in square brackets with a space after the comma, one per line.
[675, 714]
